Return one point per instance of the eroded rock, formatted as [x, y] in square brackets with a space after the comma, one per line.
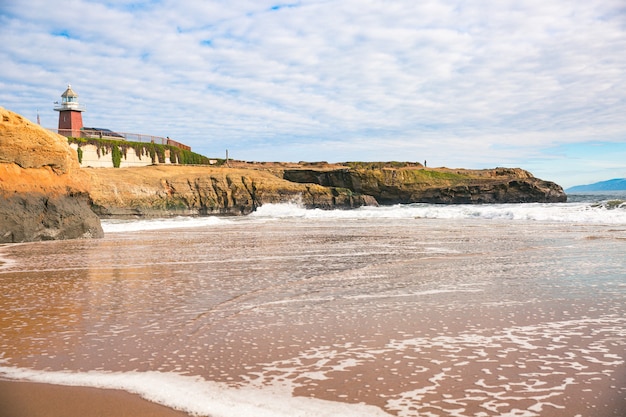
[43, 193]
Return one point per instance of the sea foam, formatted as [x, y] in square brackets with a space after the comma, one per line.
[134, 225]
[580, 212]
[196, 396]
[576, 212]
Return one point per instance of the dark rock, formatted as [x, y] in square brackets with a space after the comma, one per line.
[44, 194]
[35, 217]
[442, 186]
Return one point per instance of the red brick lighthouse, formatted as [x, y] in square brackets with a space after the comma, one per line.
[70, 114]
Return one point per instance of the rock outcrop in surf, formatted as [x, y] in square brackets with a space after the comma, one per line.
[389, 185]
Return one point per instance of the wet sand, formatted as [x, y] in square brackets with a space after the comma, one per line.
[28, 399]
[408, 317]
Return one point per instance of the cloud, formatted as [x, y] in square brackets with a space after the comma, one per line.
[464, 83]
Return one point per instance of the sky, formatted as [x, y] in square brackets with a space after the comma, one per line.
[535, 84]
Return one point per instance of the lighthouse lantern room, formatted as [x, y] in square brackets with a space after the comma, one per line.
[70, 114]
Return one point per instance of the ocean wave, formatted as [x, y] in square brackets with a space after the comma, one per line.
[561, 212]
[135, 225]
[603, 212]
[197, 396]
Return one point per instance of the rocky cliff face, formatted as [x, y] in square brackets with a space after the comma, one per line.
[200, 190]
[441, 185]
[43, 194]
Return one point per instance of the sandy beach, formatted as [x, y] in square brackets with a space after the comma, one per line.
[327, 317]
[27, 399]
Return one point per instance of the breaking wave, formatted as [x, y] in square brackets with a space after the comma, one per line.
[610, 211]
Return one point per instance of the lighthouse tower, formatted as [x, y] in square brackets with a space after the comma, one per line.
[70, 114]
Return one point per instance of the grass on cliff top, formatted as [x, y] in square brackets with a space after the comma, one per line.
[381, 165]
[414, 171]
[440, 175]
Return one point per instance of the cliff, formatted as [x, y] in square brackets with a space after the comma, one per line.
[43, 193]
[389, 185]
[200, 190]
[161, 190]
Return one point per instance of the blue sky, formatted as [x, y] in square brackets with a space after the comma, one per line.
[534, 84]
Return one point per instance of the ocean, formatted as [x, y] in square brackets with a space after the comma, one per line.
[408, 310]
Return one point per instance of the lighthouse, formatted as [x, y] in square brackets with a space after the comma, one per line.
[70, 114]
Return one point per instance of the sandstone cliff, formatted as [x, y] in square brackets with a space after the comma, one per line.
[43, 194]
[199, 190]
[439, 185]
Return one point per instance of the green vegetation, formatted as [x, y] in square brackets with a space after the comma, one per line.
[381, 165]
[185, 157]
[79, 151]
[439, 175]
[116, 156]
[155, 152]
[176, 205]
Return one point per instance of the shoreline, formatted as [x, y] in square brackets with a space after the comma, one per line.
[20, 398]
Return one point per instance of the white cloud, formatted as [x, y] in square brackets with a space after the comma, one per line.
[462, 83]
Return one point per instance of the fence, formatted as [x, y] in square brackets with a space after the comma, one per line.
[110, 135]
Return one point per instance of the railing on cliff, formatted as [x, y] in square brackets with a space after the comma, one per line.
[110, 135]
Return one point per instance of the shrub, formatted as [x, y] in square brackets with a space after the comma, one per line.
[116, 156]
[155, 151]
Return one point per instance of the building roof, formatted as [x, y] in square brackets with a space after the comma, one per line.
[105, 132]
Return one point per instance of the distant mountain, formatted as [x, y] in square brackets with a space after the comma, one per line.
[617, 184]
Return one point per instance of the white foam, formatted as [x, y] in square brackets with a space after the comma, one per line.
[580, 212]
[412, 294]
[127, 225]
[516, 347]
[197, 396]
[6, 262]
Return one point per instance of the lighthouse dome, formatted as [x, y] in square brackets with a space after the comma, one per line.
[69, 93]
